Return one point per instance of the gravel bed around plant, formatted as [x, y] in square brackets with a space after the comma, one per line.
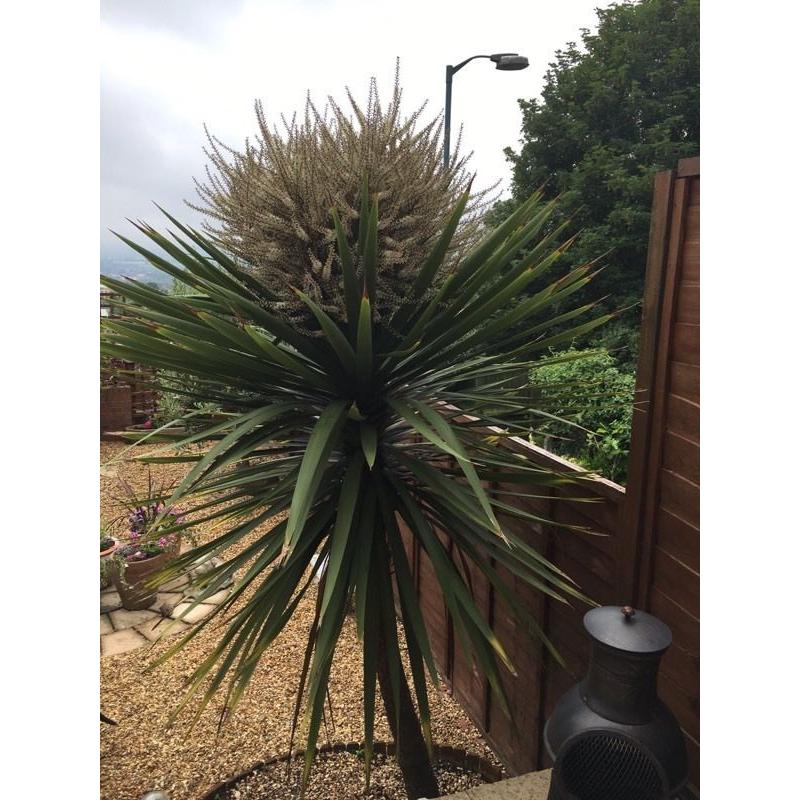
[143, 753]
[341, 775]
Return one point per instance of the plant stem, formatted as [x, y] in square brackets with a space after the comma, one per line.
[412, 754]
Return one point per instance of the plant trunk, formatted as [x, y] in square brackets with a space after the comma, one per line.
[412, 754]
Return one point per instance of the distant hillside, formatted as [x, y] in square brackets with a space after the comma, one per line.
[139, 269]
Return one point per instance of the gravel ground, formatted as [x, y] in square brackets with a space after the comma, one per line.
[335, 771]
[140, 753]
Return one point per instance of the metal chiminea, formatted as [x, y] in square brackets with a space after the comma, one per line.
[610, 736]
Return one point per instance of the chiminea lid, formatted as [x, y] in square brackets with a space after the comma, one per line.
[627, 629]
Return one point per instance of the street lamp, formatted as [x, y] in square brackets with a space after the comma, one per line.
[504, 61]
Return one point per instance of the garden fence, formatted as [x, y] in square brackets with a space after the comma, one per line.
[648, 553]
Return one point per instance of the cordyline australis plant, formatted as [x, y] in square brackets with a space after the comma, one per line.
[351, 432]
[269, 204]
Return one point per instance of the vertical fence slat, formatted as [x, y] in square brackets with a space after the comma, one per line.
[657, 249]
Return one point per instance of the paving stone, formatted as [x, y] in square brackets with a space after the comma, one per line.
[121, 642]
[195, 615]
[109, 601]
[207, 566]
[217, 598]
[532, 786]
[225, 585]
[167, 627]
[175, 583]
[105, 624]
[167, 598]
[214, 599]
[128, 619]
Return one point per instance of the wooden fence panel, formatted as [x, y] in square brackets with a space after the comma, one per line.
[663, 513]
[590, 559]
[138, 379]
[116, 411]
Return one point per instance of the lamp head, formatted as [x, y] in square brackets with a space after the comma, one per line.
[509, 61]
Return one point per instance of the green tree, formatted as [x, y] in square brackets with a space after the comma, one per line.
[613, 113]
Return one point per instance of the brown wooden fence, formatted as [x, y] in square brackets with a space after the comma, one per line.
[649, 555]
[126, 396]
[662, 512]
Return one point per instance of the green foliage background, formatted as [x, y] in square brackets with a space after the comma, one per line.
[597, 398]
[614, 110]
[617, 108]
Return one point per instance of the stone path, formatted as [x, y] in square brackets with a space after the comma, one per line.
[121, 630]
[533, 786]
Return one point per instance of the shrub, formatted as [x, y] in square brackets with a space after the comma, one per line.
[349, 431]
[621, 340]
[595, 403]
[343, 321]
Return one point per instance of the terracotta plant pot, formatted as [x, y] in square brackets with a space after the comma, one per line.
[105, 580]
[131, 587]
[134, 595]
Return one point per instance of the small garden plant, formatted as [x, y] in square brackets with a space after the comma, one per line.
[149, 532]
[147, 527]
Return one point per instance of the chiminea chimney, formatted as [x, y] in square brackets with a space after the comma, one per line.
[610, 736]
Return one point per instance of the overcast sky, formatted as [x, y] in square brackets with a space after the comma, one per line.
[169, 66]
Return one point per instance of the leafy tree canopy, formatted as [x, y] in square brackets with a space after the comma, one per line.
[613, 113]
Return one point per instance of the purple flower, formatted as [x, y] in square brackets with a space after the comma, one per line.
[162, 542]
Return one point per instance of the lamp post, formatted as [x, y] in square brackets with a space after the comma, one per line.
[504, 61]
